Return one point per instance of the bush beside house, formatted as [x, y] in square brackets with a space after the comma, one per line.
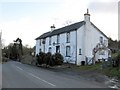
[49, 59]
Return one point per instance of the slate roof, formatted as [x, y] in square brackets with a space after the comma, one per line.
[68, 28]
[65, 29]
[43, 35]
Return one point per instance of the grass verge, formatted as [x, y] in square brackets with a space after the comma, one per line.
[97, 66]
[111, 72]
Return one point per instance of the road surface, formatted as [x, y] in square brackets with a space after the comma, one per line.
[17, 75]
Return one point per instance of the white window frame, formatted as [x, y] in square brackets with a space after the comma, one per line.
[68, 37]
[58, 39]
[50, 49]
[49, 40]
[40, 42]
[101, 39]
[68, 50]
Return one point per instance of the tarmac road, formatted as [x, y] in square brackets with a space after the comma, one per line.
[18, 75]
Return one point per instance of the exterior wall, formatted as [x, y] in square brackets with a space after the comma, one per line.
[37, 46]
[72, 45]
[80, 45]
[92, 38]
[53, 40]
[87, 39]
[62, 44]
[82, 42]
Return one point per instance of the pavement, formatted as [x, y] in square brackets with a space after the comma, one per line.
[18, 75]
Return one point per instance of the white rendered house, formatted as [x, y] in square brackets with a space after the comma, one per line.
[81, 41]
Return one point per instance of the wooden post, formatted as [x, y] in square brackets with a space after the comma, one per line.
[0, 48]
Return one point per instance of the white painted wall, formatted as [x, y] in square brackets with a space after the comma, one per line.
[37, 46]
[62, 45]
[85, 38]
[80, 45]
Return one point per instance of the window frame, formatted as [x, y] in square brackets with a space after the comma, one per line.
[40, 42]
[102, 52]
[58, 39]
[50, 49]
[40, 50]
[101, 39]
[80, 51]
[68, 50]
[68, 37]
[50, 40]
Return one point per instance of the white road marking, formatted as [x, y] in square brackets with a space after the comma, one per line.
[19, 68]
[42, 80]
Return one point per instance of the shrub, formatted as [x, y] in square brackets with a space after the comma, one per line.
[116, 59]
[58, 59]
[40, 58]
[48, 58]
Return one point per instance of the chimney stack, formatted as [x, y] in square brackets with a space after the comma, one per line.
[87, 16]
[52, 27]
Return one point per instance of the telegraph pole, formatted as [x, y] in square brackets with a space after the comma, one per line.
[0, 47]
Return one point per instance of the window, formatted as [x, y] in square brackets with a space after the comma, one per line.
[58, 39]
[105, 42]
[50, 49]
[68, 51]
[43, 41]
[49, 40]
[40, 50]
[68, 37]
[102, 52]
[40, 42]
[101, 39]
[80, 52]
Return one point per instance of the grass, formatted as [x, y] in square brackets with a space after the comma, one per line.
[27, 59]
[112, 72]
[97, 66]
[109, 71]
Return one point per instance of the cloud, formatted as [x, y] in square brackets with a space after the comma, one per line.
[25, 28]
[104, 7]
[29, 27]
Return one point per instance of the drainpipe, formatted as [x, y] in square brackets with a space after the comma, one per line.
[76, 48]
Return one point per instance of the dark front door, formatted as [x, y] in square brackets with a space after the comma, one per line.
[57, 49]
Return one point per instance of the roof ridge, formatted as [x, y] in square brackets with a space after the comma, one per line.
[69, 25]
[64, 29]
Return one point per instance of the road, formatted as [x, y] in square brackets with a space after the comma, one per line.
[17, 75]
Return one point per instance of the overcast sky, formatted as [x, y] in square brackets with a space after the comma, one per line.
[28, 19]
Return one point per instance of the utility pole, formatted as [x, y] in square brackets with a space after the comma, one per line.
[0, 47]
